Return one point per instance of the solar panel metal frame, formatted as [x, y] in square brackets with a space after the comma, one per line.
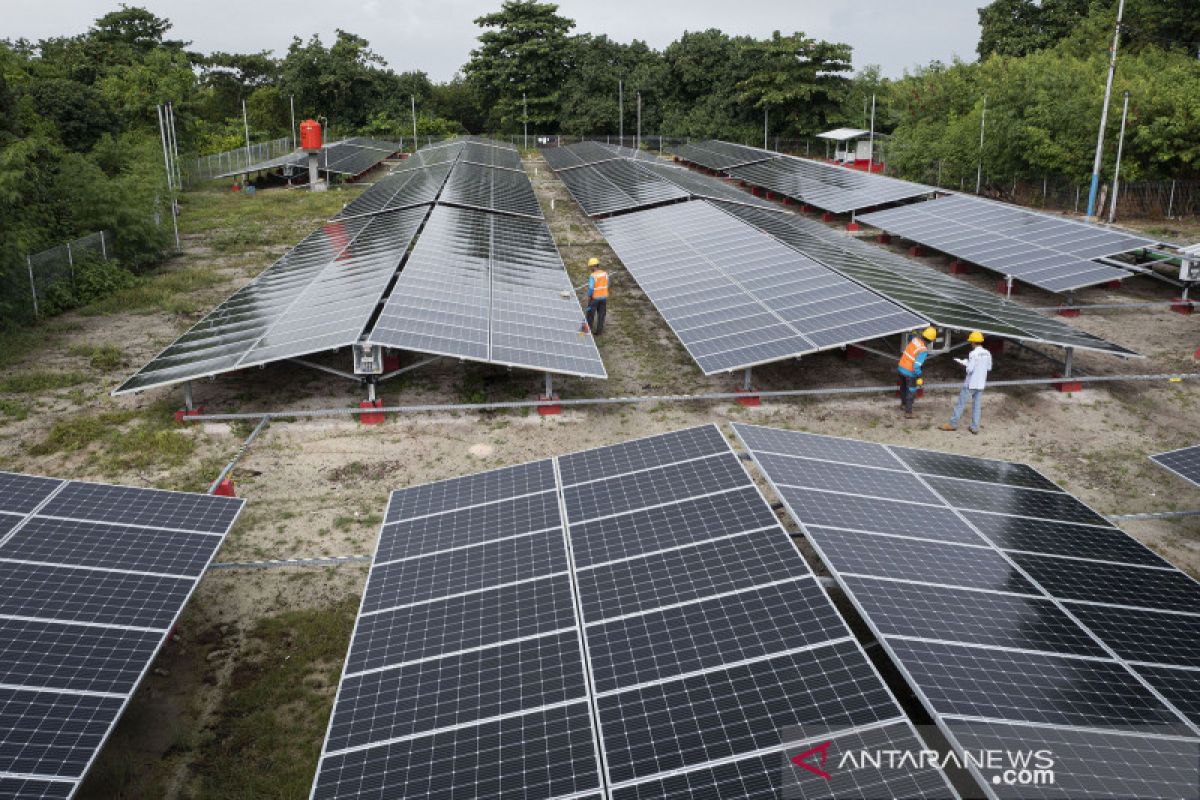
[1011, 240]
[834, 188]
[1184, 462]
[946, 301]
[609, 465]
[400, 189]
[580, 154]
[721, 156]
[617, 185]
[123, 508]
[678, 225]
[320, 261]
[496, 189]
[450, 254]
[855, 455]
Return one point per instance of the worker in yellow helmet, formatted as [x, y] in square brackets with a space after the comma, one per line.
[597, 307]
[978, 365]
[909, 368]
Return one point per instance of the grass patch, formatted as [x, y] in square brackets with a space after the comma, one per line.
[120, 441]
[164, 291]
[102, 357]
[40, 381]
[268, 732]
[12, 411]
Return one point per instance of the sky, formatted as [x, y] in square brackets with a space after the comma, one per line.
[436, 36]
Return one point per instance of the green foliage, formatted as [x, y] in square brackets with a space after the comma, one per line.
[798, 78]
[35, 382]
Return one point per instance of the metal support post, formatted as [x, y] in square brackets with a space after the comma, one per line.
[525, 120]
[1112, 68]
[871, 157]
[32, 285]
[413, 101]
[292, 104]
[187, 396]
[103, 247]
[621, 111]
[746, 377]
[1171, 199]
[1068, 358]
[982, 125]
[1112, 207]
[766, 117]
[637, 141]
[246, 128]
[1008, 280]
[549, 385]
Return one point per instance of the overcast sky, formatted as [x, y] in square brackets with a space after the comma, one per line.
[436, 36]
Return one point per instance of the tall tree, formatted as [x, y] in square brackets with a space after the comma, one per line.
[799, 79]
[523, 49]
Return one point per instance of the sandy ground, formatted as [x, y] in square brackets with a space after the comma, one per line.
[318, 487]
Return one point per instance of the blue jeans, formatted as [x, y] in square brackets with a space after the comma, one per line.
[976, 396]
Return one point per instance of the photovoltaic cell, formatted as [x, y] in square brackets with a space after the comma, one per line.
[403, 188]
[490, 189]
[736, 297]
[491, 288]
[829, 186]
[946, 301]
[1184, 462]
[92, 578]
[1051, 252]
[697, 645]
[1007, 636]
[717, 155]
[319, 296]
[617, 185]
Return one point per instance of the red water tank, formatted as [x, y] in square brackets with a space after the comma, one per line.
[310, 135]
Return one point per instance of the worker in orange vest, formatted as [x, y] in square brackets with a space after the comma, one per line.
[597, 297]
[909, 368]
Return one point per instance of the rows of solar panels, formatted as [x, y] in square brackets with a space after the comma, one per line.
[628, 622]
[351, 157]
[1051, 252]
[480, 217]
[827, 186]
[92, 580]
[1021, 617]
[1184, 462]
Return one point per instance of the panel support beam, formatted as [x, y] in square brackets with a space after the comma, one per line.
[423, 362]
[330, 370]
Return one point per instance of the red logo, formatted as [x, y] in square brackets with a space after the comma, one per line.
[823, 749]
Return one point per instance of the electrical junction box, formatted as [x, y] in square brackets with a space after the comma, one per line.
[368, 359]
[1189, 265]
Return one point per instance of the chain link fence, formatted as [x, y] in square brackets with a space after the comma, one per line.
[209, 167]
[52, 272]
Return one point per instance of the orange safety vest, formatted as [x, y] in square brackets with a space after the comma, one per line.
[600, 285]
[908, 361]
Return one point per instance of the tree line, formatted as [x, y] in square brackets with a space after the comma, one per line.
[79, 148]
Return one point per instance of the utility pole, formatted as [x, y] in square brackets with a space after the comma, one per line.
[638, 140]
[871, 146]
[982, 123]
[766, 114]
[162, 132]
[413, 99]
[1112, 68]
[246, 126]
[1112, 208]
[175, 146]
[292, 104]
[525, 118]
[620, 112]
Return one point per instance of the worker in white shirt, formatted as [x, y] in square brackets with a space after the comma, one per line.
[978, 364]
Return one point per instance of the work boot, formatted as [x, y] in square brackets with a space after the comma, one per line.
[974, 430]
[946, 426]
[908, 415]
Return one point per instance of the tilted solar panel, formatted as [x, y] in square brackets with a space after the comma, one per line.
[1052, 253]
[1184, 462]
[721, 156]
[944, 300]
[828, 186]
[615, 185]
[351, 156]
[319, 296]
[705, 186]
[490, 189]
[490, 156]
[403, 188]
[562, 654]
[92, 579]
[1019, 615]
[735, 296]
[488, 287]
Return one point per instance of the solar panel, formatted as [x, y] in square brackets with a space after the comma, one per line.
[735, 296]
[490, 189]
[489, 155]
[352, 156]
[721, 156]
[92, 579]
[401, 189]
[1015, 630]
[706, 187]
[319, 296]
[1051, 252]
[617, 185]
[630, 675]
[492, 288]
[569, 156]
[943, 300]
[828, 186]
[1184, 462]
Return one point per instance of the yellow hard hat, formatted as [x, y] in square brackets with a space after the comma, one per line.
[593, 262]
[929, 333]
[976, 337]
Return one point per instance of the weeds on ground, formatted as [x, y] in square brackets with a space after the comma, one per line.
[12, 411]
[102, 357]
[120, 441]
[40, 381]
[169, 291]
[268, 730]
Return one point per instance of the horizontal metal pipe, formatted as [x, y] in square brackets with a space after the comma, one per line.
[676, 398]
[241, 451]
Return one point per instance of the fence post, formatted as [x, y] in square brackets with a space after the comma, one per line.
[1171, 199]
[70, 262]
[103, 248]
[32, 284]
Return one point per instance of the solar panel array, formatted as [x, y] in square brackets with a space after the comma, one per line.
[626, 622]
[580, 154]
[409, 186]
[1020, 616]
[942, 299]
[828, 186]
[707, 187]
[735, 296]
[352, 156]
[1052, 253]
[617, 185]
[491, 154]
[92, 579]
[721, 156]
[491, 189]
[319, 296]
[488, 287]
[1184, 462]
